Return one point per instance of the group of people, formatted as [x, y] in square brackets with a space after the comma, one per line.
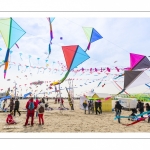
[90, 105]
[140, 107]
[32, 106]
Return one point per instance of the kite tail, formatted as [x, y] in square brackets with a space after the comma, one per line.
[62, 80]
[17, 45]
[6, 62]
[69, 99]
[88, 47]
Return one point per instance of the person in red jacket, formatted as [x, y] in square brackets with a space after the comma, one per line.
[9, 119]
[30, 106]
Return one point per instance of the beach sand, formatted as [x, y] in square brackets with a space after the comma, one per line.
[72, 121]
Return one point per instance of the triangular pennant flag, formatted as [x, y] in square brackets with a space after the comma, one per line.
[88, 32]
[95, 36]
[144, 63]
[130, 77]
[69, 53]
[5, 30]
[79, 58]
[135, 59]
[16, 33]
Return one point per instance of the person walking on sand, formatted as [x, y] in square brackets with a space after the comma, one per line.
[17, 103]
[85, 105]
[118, 108]
[11, 104]
[41, 110]
[30, 106]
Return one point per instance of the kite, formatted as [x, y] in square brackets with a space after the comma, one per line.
[50, 20]
[147, 85]
[61, 38]
[74, 56]
[29, 60]
[0, 49]
[6, 97]
[38, 60]
[20, 55]
[25, 95]
[11, 33]
[138, 62]
[92, 35]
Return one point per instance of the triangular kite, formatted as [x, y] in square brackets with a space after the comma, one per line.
[130, 77]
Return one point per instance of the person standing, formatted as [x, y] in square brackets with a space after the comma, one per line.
[92, 107]
[30, 106]
[99, 106]
[89, 106]
[85, 105]
[148, 109]
[17, 103]
[96, 107]
[11, 105]
[41, 110]
[140, 107]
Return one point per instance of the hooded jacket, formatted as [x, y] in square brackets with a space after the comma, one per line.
[27, 106]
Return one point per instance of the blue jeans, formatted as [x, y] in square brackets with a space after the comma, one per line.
[118, 113]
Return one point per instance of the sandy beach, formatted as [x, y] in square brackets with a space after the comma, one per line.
[72, 121]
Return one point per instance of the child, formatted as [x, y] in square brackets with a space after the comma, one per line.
[41, 109]
[134, 111]
[9, 119]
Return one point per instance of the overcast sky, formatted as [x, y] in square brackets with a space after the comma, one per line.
[121, 36]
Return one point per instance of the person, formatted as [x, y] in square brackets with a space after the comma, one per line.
[92, 107]
[4, 104]
[17, 103]
[47, 99]
[96, 107]
[133, 114]
[118, 108]
[37, 102]
[9, 119]
[140, 107]
[62, 102]
[148, 109]
[85, 105]
[30, 106]
[43, 100]
[99, 106]
[11, 104]
[89, 106]
[41, 110]
[58, 100]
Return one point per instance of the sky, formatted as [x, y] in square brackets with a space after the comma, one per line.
[121, 36]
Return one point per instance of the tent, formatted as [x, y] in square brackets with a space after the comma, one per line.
[106, 104]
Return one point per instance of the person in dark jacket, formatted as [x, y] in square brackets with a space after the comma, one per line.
[43, 100]
[96, 107]
[148, 109]
[85, 105]
[100, 106]
[118, 108]
[140, 107]
[133, 114]
[17, 103]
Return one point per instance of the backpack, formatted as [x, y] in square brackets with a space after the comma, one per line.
[31, 106]
[41, 109]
